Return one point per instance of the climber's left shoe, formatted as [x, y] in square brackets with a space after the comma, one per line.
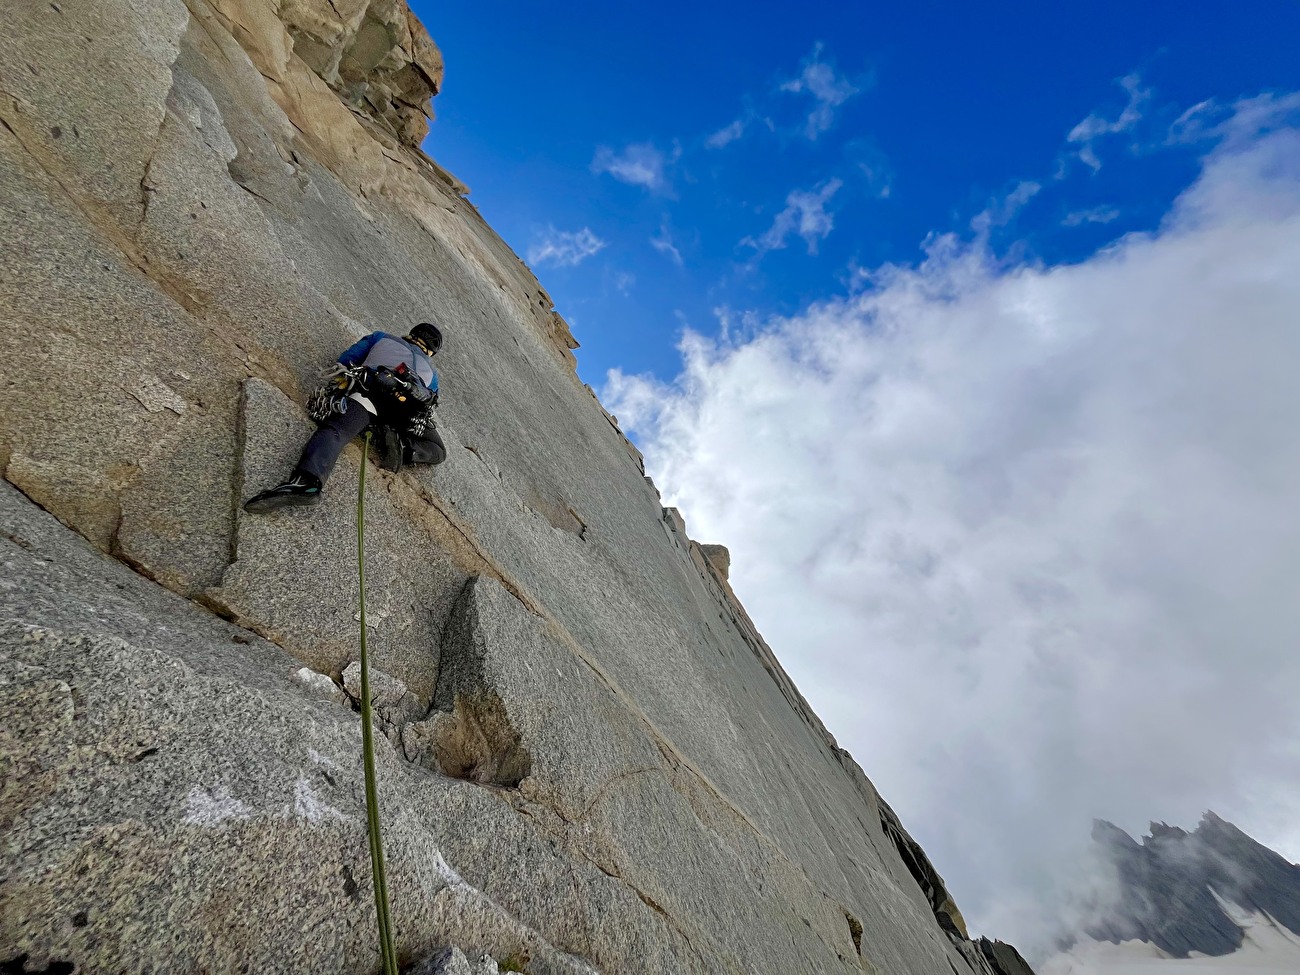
[300, 489]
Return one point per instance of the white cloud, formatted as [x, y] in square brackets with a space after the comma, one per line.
[1003, 211]
[878, 179]
[564, 248]
[870, 162]
[640, 164]
[1095, 126]
[663, 243]
[805, 214]
[738, 326]
[726, 135]
[1077, 218]
[1241, 122]
[829, 90]
[1027, 536]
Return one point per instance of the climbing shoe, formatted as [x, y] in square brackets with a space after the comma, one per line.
[392, 451]
[300, 489]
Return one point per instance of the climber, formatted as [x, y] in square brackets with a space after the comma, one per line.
[382, 380]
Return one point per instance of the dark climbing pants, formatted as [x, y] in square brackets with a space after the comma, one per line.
[323, 449]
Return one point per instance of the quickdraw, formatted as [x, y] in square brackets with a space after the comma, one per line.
[421, 422]
[330, 398]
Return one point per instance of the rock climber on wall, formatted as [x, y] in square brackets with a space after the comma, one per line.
[384, 381]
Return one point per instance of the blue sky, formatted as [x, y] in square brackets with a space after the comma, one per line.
[937, 113]
[973, 336]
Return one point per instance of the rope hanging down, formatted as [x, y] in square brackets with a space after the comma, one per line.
[386, 950]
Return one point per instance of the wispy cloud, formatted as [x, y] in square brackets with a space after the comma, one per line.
[868, 161]
[829, 90]
[805, 214]
[1002, 211]
[563, 248]
[726, 135]
[735, 326]
[817, 80]
[663, 243]
[879, 180]
[1094, 215]
[623, 281]
[639, 164]
[1096, 126]
[1243, 121]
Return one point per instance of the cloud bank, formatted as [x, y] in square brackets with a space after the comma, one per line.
[1028, 537]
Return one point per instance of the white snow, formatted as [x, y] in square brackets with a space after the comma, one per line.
[317, 683]
[445, 871]
[311, 807]
[1267, 949]
[212, 808]
[324, 761]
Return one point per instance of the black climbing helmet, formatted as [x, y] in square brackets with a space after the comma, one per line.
[428, 335]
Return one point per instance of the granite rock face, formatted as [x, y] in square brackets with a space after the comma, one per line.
[1171, 886]
[590, 758]
[174, 800]
[719, 557]
[374, 54]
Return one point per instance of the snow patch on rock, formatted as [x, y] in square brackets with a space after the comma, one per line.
[212, 808]
[311, 807]
[1267, 949]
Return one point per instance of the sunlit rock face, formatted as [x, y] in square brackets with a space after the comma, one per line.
[589, 759]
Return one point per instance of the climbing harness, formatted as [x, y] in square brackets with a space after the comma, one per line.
[387, 951]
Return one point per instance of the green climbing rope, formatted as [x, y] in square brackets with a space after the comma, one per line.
[386, 950]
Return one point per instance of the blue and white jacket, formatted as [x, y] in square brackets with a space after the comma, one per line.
[381, 349]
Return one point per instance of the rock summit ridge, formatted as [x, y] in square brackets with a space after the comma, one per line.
[1171, 888]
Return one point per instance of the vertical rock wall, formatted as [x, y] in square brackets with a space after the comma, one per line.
[593, 759]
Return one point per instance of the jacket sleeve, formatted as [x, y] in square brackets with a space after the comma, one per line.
[357, 352]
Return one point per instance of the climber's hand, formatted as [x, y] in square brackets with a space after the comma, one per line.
[421, 393]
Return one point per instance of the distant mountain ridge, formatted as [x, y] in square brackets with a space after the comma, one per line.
[1168, 885]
